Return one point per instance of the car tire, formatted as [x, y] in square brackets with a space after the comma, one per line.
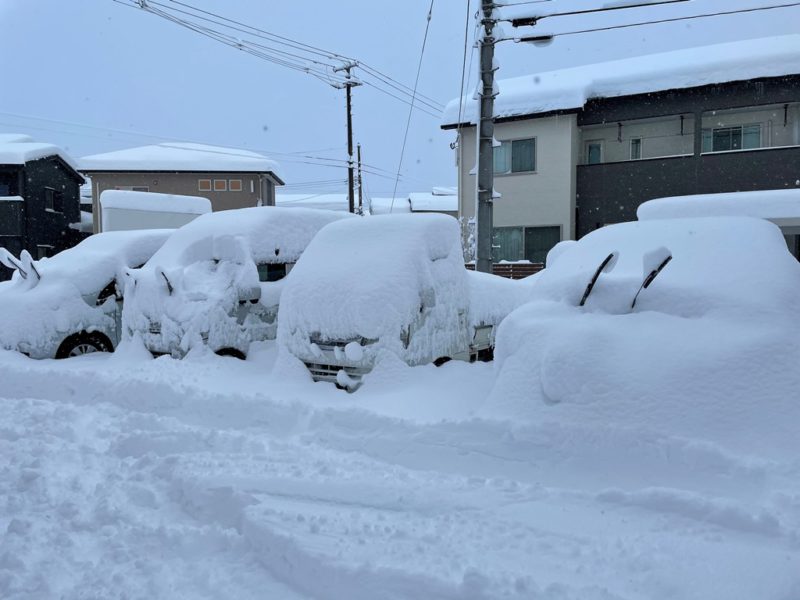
[82, 343]
[231, 352]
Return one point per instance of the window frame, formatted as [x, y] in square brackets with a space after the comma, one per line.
[200, 187]
[509, 143]
[709, 133]
[640, 145]
[599, 144]
[232, 181]
[224, 185]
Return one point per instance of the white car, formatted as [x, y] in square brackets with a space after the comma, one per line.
[71, 304]
[680, 310]
[217, 281]
[393, 283]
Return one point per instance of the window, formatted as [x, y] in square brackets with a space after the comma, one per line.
[594, 152]
[133, 188]
[220, 185]
[5, 189]
[53, 200]
[739, 137]
[234, 185]
[515, 156]
[204, 185]
[524, 243]
[272, 272]
[636, 148]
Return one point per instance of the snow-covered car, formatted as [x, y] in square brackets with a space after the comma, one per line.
[683, 310]
[71, 304]
[393, 284]
[217, 281]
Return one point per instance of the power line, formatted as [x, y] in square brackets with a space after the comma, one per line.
[660, 21]
[530, 21]
[408, 121]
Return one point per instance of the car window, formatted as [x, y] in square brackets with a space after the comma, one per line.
[272, 271]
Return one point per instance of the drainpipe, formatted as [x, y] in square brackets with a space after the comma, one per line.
[698, 133]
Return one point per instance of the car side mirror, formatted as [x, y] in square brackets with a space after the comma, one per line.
[250, 294]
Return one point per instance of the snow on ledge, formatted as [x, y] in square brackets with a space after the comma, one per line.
[782, 207]
[152, 202]
[567, 89]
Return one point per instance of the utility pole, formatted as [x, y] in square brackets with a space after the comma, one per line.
[484, 216]
[348, 84]
[360, 185]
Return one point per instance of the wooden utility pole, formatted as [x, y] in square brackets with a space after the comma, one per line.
[484, 216]
[348, 84]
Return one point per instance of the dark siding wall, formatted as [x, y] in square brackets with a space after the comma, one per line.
[611, 193]
[33, 224]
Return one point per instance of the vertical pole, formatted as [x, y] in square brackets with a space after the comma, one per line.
[485, 147]
[350, 166]
[360, 186]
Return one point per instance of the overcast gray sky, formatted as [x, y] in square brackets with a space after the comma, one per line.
[78, 73]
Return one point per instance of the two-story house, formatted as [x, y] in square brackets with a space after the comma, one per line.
[582, 147]
[229, 177]
[39, 198]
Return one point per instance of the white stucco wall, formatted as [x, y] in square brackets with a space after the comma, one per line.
[545, 197]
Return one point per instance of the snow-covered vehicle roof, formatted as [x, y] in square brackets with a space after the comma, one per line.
[569, 89]
[373, 272]
[781, 207]
[38, 312]
[90, 265]
[716, 329]
[176, 156]
[709, 263]
[273, 234]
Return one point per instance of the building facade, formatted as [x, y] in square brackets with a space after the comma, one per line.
[39, 200]
[581, 148]
[229, 178]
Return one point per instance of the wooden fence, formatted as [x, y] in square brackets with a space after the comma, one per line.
[512, 270]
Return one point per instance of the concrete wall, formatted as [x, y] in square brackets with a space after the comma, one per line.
[545, 197]
[254, 188]
[125, 219]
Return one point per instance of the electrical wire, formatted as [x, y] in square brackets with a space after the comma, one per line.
[668, 20]
[410, 110]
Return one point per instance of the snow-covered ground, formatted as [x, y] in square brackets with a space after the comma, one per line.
[127, 477]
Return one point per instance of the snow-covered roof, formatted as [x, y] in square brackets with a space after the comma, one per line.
[570, 88]
[782, 207]
[387, 206]
[150, 201]
[433, 201]
[18, 149]
[322, 201]
[176, 156]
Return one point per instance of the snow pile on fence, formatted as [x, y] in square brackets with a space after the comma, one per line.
[709, 350]
[570, 88]
[371, 278]
[779, 206]
[36, 312]
[193, 284]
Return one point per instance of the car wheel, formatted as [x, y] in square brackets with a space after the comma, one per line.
[84, 343]
[231, 352]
